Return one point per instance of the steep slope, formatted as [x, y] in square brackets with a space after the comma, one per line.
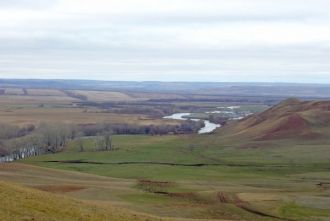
[289, 119]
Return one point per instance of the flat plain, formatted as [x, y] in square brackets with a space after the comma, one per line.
[51, 105]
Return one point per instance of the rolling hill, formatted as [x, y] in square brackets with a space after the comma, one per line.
[290, 119]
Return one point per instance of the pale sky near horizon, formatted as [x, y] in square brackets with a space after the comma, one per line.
[166, 40]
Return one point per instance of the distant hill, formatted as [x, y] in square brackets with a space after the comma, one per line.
[289, 119]
[270, 90]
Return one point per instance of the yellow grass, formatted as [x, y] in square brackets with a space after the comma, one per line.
[146, 95]
[259, 197]
[23, 100]
[21, 203]
[104, 96]
[91, 187]
[14, 91]
[26, 115]
[45, 92]
[86, 197]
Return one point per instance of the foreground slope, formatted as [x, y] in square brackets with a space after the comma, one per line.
[22, 203]
[35, 193]
[165, 177]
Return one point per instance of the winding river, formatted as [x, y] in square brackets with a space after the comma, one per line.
[208, 128]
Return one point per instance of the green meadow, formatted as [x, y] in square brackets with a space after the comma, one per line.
[209, 176]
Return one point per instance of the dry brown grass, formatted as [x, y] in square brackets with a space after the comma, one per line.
[14, 91]
[104, 96]
[28, 100]
[45, 92]
[285, 121]
[21, 203]
[60, 188]
[37, 177]
[147, 96]
[94, 197]
[58, 107]
[23, 116]
[260, 197]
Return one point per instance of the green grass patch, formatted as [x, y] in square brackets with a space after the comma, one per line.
[294, 211]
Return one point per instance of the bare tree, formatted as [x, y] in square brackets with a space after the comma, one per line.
[81, 145]
[103, 142]
[108, 140]
[99, 143]
[55, 136]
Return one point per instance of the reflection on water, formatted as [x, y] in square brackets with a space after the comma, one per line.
[208, 128]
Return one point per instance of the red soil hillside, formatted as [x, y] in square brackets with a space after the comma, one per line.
[289, 119]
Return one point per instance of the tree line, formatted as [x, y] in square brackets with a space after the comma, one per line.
[183, 128]
[21, 142]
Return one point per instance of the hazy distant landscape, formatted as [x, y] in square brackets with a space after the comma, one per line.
[113, 152]
[160, 110]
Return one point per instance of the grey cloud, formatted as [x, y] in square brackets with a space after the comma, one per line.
[29, 4]
[161, 65]
[180, 19]
[135, 47]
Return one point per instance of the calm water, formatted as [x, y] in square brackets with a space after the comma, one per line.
[208, 128]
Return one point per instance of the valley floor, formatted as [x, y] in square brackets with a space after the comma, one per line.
[191, 177]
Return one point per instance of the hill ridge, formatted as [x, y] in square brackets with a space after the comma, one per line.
[290, 119]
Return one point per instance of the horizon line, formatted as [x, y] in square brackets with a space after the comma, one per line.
[161, 81]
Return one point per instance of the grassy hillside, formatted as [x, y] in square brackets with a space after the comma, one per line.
[22, 203]
[209, 177]
[290, 119]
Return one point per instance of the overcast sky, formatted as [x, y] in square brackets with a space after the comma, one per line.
[167, 40]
